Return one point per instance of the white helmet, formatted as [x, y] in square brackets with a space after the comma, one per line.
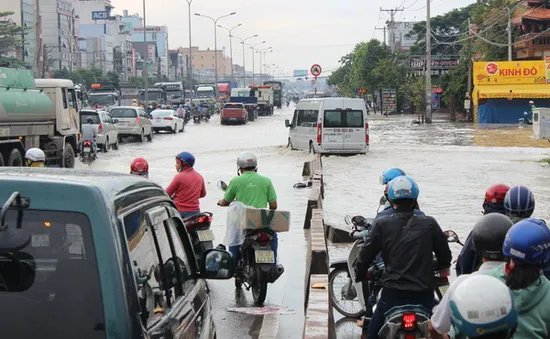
[247, 160]
[482, 304]
[35, 154]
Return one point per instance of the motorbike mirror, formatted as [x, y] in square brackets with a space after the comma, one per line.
[347, 219]
[222, 185]
[217, 264]
[383, 200]
[451, 236]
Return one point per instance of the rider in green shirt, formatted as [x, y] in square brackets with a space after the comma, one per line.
[252, 189]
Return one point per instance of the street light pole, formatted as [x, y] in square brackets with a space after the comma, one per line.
[263, 51]
[243, 41]
[253, 47]
[190, 65]
[215, 21]
[230, 30]
[145, 57]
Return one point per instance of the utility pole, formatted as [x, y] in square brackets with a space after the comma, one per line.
[146, 55]
[382, 29]
[391, 24]
[469, 84]
[429, 93]
[509, 29]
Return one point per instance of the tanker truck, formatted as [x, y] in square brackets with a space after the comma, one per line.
[37, 113]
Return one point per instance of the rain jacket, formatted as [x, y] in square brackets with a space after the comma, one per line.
[532, 306]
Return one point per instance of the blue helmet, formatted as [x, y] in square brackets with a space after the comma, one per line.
[403, 187]
[389, 175]
[186, 157]
[527, 241]
[519, 202]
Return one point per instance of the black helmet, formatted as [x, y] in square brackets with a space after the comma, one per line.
[90, 120]
[489, 233]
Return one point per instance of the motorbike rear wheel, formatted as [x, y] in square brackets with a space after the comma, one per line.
[259, 289]
[338, 302]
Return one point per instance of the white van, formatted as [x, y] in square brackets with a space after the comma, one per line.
[329, 126]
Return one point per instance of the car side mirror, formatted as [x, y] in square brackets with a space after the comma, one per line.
[217, 264]
[287, 123]
[115, 121]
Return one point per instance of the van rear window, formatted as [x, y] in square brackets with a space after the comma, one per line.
[85, 115]
[343, 118]
[123, 113]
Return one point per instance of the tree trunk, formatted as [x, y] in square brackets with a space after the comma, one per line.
[452, 108]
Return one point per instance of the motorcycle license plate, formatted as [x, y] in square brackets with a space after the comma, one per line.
[206, 235]
[87, 149]
[264, 257]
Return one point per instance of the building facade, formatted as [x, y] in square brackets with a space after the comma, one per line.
[203, 63]
[24, 15]
[532, 20]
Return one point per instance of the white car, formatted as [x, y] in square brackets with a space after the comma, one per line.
[167, 120]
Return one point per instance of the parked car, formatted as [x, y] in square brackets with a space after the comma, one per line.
[107, 129]
[108, 258]
[167, 120]
[132, 122]
[234, 112]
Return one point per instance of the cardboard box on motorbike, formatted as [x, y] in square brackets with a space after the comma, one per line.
[254, 218]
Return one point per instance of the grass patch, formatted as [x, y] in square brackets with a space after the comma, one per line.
[546, 160]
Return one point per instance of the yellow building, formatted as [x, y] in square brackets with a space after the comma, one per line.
[203, 61]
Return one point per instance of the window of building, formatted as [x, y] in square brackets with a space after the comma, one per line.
[154, 36]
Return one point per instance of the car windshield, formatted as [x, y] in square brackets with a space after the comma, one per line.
[101, 99]
[85, 115]
[52, 285]
[343, 118]
[205, 94]
[173, 93]
[161, 113]
[123, 113]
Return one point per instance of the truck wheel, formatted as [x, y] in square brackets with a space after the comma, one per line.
[15, 159]
[68, 161]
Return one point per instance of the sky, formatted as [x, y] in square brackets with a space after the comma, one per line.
[301, 32]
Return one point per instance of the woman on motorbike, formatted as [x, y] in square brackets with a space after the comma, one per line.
[387, 176]
[482, 307]
[468, 261]
[525, 249]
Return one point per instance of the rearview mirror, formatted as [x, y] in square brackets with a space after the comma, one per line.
[217, 264]
[383, 200]
[451, 236]
[14, 239]
[347, 219]
[222, 185]
[287, 123]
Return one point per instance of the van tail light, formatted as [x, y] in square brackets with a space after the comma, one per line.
[367, 138]
[409, 321]
[319, 131]
[137, 120]
[263, 239]
[168, 118]
[100, 128]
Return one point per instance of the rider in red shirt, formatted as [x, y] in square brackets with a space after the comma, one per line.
[187, 187]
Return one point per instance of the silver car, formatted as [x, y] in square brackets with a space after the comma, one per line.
[107, 130]
[132, 122]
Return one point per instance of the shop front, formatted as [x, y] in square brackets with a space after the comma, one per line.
[503, 89]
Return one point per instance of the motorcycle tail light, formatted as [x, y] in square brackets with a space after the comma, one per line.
[204, 219]
[263, 238]
[409, 320]
[445, 272]
[87, 143]
[410, 336]
[444, 280]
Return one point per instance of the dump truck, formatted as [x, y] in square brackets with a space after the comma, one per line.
[265, 98]
[277, 92]
[103, 96]
[128, 93]
[37, 113]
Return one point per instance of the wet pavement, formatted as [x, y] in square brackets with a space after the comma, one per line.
[216, 148]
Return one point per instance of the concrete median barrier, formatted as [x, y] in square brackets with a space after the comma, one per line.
[319, 318]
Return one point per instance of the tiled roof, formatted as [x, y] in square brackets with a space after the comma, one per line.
[536, 13]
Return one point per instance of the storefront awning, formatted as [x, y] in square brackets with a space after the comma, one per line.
[531, 91]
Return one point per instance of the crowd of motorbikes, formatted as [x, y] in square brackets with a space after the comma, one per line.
[356, 299]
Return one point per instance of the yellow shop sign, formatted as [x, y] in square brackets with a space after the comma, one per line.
[509, 72]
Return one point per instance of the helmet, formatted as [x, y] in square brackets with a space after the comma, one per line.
[482, 304]
[186, 157]
[139, 166]
[519, 202]
[90, 120]
[496, 193]
[35, 154]
[247, 160]
[403, 187]
[489, 233]
[386, 189]
[390, 174]
[527, 241]
[531, 102]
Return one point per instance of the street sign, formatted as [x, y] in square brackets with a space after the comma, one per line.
[313, 82]
[316, 70]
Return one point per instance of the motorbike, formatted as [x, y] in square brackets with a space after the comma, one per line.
[87, 156]
[198, 228]
[205, 116]
[525, 120]
[256, 266]
[187, 115]
[197, 118]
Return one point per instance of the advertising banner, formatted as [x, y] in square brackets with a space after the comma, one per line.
[100, 15]
[160, 29]
[547, 67]
[389, 100]
[510, 72]
[299, 73]
[404, 34]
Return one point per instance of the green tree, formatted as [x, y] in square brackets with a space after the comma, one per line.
[341, 77]
[365, 59]
[11, 39]
[491, 16]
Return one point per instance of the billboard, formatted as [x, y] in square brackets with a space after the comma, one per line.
[298, 73]
[153, 29]
[100, 15]
[403, 37]
[509, 72]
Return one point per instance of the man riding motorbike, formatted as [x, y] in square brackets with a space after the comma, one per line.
[89, 133]
[486, 296]
[468, 260]
[35, 157]
[252, 189]
[181, 112]
[187, 187]
[525, 249]
[408, 273]
[139, 166]
[519, 203]
[385, 178]
[487, 238]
